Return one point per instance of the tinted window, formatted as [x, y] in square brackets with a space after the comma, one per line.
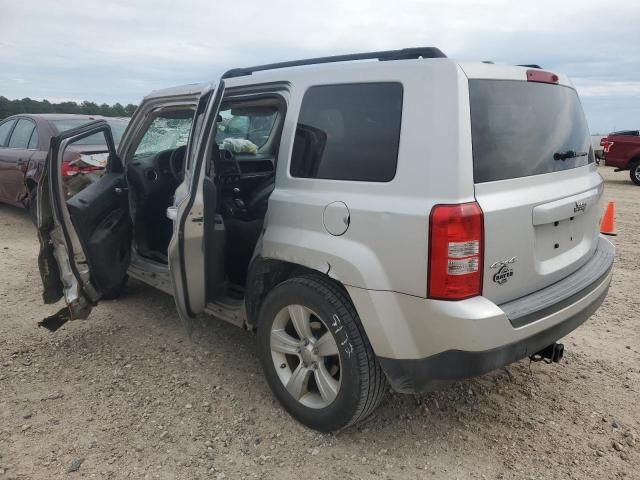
[348, 132]
[5, 129]
[21, 134]
[33, 142]
[117, 125]
[518, 127]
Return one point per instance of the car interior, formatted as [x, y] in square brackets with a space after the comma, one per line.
[240, 173]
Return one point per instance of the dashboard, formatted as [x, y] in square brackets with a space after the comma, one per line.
[235, 167]
[241, 179]
[241, 176]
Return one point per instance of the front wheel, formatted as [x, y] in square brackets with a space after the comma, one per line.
[316, 355]
[634, 172]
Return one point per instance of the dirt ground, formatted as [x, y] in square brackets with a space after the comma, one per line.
[126, 395]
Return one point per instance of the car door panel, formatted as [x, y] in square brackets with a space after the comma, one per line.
[17, 158]
[84, 240]
[6, 128]
[187, 264]
[100, 216]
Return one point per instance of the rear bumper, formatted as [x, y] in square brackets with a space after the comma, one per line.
[432, 342]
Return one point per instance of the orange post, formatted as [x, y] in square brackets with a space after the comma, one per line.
[608, 225]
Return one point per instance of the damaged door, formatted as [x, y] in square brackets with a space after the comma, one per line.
[194, 205]
[85, 238]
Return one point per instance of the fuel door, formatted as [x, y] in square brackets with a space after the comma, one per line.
[336, 218]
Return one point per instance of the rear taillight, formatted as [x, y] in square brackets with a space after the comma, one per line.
[541, 76]
[456, 251]
[69, 169]
[606, 145]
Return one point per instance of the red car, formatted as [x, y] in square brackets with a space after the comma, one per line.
[24, 143]
[622, 150]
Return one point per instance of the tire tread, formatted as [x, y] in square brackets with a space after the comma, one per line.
[374, 381]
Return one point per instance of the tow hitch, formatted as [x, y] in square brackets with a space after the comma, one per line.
[551, 354]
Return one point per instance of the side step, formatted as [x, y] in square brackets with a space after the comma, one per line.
[229, 310]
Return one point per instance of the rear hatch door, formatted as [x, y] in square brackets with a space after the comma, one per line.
[536, 182]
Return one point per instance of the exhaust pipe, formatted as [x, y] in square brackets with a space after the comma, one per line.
[551, 354]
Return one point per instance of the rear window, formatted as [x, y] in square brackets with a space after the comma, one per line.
[519, 127]
[118, 127]
[348, 132]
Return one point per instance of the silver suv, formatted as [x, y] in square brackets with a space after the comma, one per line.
[384, 217]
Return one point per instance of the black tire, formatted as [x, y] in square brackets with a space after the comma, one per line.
[33, 206]
[634, 172]
[362, 381]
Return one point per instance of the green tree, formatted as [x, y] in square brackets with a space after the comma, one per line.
[90, 108]
[46, 107]
[16, 107]
[28, 105]
[105, 110]
[129, 109]
[67, 107]
[5, 107]
[118, 110]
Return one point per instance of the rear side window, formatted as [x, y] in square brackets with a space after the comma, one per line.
[33, 141]
[521, 129]
[348, 132]
[21, 134]
[5, 129]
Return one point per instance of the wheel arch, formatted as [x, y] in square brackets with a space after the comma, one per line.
[31, 185]
[266, 273]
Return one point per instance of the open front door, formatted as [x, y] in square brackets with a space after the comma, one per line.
[85, 239]
[194, 206]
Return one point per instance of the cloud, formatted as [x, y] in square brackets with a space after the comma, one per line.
[117, 50]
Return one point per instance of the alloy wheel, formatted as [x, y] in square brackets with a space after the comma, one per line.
[305, 356]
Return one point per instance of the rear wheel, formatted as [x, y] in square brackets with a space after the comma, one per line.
[634, 172]
[316, 356]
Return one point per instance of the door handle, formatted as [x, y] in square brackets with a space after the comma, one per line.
[172, 213]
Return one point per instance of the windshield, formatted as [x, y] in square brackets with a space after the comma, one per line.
[165, 134]
[118, 126]
[525, 128]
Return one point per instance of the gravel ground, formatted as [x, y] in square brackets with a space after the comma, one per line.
[126, 395]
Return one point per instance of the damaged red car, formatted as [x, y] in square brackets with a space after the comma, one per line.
[24, 143]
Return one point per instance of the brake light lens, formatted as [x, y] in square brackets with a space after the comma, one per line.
[606, 145]
[69, 169]
[456, 251]
[542, 76]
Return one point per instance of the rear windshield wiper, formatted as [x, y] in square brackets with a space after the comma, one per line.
[568, 154]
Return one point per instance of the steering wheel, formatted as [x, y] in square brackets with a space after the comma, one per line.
[176, 163]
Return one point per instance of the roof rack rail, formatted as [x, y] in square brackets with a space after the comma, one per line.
[530, 65]
[404, 54]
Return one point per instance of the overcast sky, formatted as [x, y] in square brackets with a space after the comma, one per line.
[117, 51]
